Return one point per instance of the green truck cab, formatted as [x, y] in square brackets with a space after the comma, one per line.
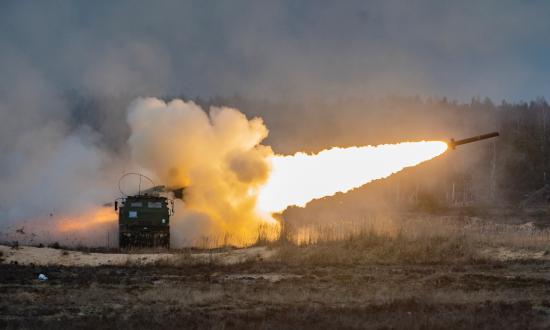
[144, 221]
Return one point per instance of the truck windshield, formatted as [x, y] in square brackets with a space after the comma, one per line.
[154, 205]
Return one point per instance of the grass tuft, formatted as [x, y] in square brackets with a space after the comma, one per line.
[376, 248]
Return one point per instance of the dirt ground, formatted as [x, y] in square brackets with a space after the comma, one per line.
[274, 295]
[473, 275]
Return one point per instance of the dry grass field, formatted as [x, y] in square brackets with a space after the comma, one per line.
[408, 276]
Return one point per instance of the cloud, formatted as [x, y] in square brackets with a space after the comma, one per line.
[282, 48]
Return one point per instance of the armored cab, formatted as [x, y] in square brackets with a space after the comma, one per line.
[144, 221]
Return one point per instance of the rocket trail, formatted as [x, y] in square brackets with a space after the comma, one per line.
[300, 178]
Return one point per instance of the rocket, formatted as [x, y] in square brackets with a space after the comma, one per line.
[455, 143]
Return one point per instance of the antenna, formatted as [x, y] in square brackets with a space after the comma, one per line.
[139, 185]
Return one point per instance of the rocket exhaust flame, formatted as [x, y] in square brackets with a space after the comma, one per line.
[300, 178]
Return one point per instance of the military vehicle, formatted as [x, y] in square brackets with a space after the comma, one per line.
[144, 218]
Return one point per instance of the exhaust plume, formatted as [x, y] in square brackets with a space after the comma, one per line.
[234, 183]
[300, 178]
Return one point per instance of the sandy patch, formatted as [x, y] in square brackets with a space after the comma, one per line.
[255, 277]
[26, 255]
[509, 254]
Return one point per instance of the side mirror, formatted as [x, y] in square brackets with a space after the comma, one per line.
[116, 205]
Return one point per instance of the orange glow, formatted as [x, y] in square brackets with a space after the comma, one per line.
[300, 178]
[88, 221]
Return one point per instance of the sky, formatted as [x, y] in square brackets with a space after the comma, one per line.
[274, 49]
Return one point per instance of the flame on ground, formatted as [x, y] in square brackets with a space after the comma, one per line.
[87, 221]
[300, 178]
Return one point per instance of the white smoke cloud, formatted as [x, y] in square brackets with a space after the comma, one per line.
[55, 181]
[49, 169]
[52, 182]
[216, 155]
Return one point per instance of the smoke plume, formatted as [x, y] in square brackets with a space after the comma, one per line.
[217, 156]
[233, 183]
